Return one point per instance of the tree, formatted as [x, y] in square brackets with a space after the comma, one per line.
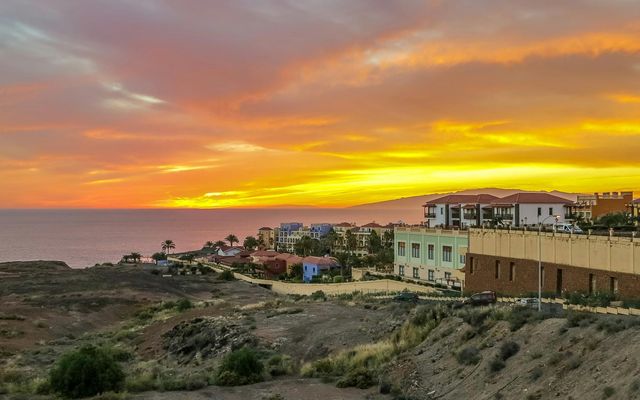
[387, 239]
[374, 244]
[209, 244]
[250, 243]
[240, 367]
[330, 240]
[614, 219]
[303, 246]
[158, 257]
[232, 239]
[296, 271]
[219, 244]
[133, 258]
[167, 246]
[86, 372]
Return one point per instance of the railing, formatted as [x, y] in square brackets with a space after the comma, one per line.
[469, 216]
[503, 216]
[429, 215]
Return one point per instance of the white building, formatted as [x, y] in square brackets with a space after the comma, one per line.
[519, 209]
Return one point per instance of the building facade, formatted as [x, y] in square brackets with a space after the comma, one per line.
[591, 207]
[315, 266]
[519, 209]
[268, 237]
[430, 255]
[634, 210]
[506, 261]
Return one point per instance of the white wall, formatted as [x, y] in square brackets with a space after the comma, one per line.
[530, 211]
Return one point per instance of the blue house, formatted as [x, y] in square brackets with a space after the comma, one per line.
[313, 266]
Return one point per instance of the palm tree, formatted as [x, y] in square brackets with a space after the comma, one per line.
[168, 245]
[250, 243]
[219, 243]
[136, 257]
[231, 239]
[209, 244]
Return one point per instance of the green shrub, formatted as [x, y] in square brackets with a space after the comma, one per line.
[474, 318]
[608, 391]
[468, 356]
[582, 319]
[508, 349]
[241, 367]
[556, 358]
[598, 299]
[226, 275]
[279, 365]
[183, 305]
[86, 372]
[318, 295]
[536, 373]
[361, 378]
[496, 364]
[338, 279]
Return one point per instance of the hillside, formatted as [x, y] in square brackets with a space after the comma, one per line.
[416, 202]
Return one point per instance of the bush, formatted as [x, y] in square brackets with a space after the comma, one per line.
[581, 319]
[496, 365]
[508, 349]
[608, 391]
[338, 279]
[468, 356]
[536, 373]
[574, 362]
[318, 295]
[226, 275]
[183, 305]
[241, 367]
[86, 372]
[361, 378]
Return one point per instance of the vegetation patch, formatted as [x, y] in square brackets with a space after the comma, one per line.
[226, 275]
[86, 372]
[468, 356]
[240, 367]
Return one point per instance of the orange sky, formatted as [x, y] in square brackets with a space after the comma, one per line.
[241, 103]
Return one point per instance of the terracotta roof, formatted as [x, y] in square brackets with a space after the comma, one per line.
[265, 253]
[470, 207]
[533, 198]
[372, 225]
[344, 225]
[329, 261]
[265, 228]
[463, 198]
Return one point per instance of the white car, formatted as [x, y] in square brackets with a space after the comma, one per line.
[567, 228]
[528, 302]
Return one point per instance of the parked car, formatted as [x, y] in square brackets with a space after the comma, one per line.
[406, 296]
[567, 228]
[531, 302]
[479, 299]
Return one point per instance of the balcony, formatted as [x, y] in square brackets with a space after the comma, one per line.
[469, 216]
[504, 216]
[429, 215]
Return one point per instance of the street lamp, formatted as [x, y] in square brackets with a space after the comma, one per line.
[540, 259]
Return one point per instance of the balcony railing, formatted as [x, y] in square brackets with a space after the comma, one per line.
[429, 215]
[469, 216]
[504, 216]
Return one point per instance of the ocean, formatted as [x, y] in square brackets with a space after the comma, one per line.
[83, 238]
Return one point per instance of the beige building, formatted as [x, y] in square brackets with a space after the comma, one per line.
[268, 236]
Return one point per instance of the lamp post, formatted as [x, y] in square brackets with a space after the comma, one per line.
[540, 259]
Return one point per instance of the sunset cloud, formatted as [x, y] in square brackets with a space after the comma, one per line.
[230, 103]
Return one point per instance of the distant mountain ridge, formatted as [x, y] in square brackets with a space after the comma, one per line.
[417, 201]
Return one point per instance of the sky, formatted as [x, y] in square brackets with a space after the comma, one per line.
[244, 103]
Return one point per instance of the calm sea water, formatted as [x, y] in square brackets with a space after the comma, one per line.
[84, 237]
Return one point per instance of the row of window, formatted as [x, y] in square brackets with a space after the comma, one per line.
[415, 252]
[416, 273]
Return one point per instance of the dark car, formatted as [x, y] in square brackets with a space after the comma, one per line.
[479, 299]
[406, 296]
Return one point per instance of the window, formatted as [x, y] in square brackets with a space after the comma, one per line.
[512, 271]
[463, 258]
[415, 272]
[471, 265]
[539, 211]
[447, 275]
[613, 285]
[401, 249]
[497, 272]
[446, 253]
[401, 270]
[592, 283]
[550, 210]
[430, 275]
[415, 250]
[441, 211]
[430, 251]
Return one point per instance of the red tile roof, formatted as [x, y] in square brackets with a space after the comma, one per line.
[265, 253]
[532, 198]
[482, 198]
[372, 225]
[330, 261]
[344, 225]
[265, 228]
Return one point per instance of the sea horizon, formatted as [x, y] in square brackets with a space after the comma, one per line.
[85, 237]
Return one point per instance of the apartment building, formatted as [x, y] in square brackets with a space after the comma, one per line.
[288, 234]
[430, 255]
[506, 261]
[591, 207]
[634, 210]
[519, 209]
[362, 235]
[268, 237]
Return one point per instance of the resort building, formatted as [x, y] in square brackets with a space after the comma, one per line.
[506, 261]
[268, 236]
[519, 209]
[316, 231]
[430, 255]
[286, 233]
[590, 207]
[634, 210]
[362, 235]
[315, 266]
